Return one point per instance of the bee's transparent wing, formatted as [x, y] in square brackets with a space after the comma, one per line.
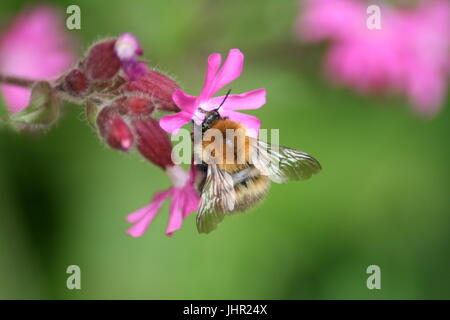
[217, 199]
[282, 164]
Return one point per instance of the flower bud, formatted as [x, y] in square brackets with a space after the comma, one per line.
[127, 49]
[114, 129]
[75, 83]
[153, 142]
[102, 62]
[158, 86]
[135, 106]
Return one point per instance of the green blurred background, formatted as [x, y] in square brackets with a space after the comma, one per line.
[382, 198]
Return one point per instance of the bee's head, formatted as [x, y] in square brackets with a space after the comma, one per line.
[213, 115]
[210, 118]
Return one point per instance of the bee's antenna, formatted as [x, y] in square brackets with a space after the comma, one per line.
[223, 101]
[217, 109]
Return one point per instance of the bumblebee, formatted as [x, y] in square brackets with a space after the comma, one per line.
[236, 169]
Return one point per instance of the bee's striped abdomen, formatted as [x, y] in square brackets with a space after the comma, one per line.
[251, 187]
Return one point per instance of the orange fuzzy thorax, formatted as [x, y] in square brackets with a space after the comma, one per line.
[237, 145]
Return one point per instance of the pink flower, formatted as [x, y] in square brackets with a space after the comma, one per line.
[194, 108]
[184, 201]
[409, 55]
[33, 47]
[154, 144]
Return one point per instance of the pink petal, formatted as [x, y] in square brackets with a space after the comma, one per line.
[230, 71]
[173, 122]
[175, 212]
[245, 101]
[214, 61]
[138, 214]
[156, 202]
[139, 228]
[184, 201]
[184, 101]
[250, 122]
[145, 216]
[192, 201]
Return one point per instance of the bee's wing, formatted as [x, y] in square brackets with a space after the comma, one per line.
[217, 199]
[282, 164]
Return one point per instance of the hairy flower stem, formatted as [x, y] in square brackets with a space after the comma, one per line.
[16, 81]
[27, 83]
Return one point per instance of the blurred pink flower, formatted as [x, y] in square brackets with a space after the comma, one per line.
[368, 60]
[184, 201]
[34, 47]
[427, 56]
[409, 55]
[193, 108]
[325, 19]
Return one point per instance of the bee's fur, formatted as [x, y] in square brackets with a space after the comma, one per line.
[239, 142]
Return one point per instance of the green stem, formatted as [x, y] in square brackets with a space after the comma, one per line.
[16, 81]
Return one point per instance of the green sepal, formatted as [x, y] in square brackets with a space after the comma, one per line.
[42, 111]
